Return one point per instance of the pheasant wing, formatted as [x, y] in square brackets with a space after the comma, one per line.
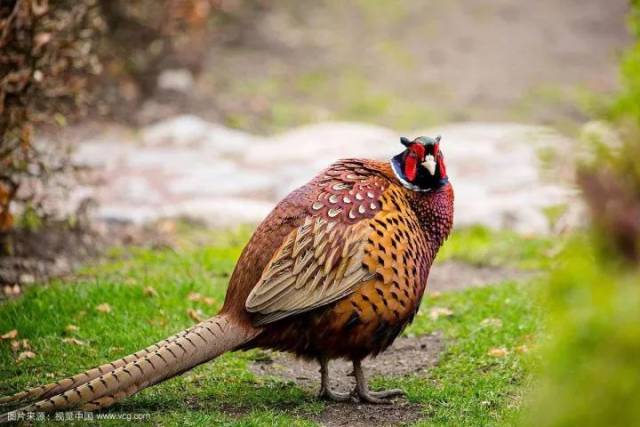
[322, 260]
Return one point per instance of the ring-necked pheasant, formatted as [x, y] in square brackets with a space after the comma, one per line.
[337, 270]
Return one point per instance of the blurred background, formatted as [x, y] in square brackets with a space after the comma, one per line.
[214, 110]
[119, 119]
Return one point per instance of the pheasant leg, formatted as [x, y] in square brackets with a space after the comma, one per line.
[325, 389]
[366, 395]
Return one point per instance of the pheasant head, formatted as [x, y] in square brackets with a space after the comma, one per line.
[420, 167]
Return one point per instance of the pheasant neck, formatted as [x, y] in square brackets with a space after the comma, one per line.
[435, 213]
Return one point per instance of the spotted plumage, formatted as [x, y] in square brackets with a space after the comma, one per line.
[337, 269]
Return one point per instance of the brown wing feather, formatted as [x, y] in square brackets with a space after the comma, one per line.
[318, 263]
[321, 260]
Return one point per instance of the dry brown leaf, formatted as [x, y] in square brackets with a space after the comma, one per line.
[71, 328]
[26, 355]
[150, 291]
[208, 300]
[9, 335]
[436, 312]
[490, 321]
[25, 344]
[15, 346]
[522, 349]
[11, 291]
[167, 226]
[196, 315]
[73, 341]
[104, 308]
[498, 352]
[194, 296]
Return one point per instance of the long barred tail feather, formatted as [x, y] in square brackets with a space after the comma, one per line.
[48, 390]
[105, 385]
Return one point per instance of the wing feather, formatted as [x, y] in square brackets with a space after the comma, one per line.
[319, 262]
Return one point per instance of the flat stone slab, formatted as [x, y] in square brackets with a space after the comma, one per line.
[188, 167]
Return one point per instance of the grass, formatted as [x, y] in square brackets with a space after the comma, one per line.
[481, 246]
[468, 387]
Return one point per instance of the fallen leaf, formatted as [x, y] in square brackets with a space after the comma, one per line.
[104, 308]
[497, 323]
[150, 291]
[11, 291]
[194, 296]
[208, 300]
[522, 349]
[196, 315]
[498, 352]
[25, 344]
[167, 226]
[71, 328]
[73, 341]
[15, 346]
[9, 335]
[26, 355]
[436, 312]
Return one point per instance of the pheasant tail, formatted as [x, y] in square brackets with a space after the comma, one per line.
[105, 385]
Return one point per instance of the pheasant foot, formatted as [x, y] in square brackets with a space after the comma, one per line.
[368, 396]
[325, 389]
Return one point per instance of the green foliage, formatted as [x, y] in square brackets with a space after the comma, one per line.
[628, 104]
[591, 375]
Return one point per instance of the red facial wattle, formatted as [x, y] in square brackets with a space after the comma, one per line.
[414, 156]
[411, 168]
[443, 170]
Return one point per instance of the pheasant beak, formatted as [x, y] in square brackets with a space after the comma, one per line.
[430, 164]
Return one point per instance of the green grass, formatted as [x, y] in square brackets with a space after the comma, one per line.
[468, 387]
[483, 247]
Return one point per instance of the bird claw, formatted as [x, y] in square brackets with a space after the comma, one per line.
[378, 397]
[326, 393]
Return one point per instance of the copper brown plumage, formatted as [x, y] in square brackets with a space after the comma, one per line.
[338, 269]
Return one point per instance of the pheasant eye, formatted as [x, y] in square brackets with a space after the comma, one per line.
[419, 150]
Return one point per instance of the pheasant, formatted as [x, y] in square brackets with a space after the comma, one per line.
[336, 270]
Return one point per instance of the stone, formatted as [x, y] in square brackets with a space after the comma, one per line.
[179, 131]
[179, 80]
